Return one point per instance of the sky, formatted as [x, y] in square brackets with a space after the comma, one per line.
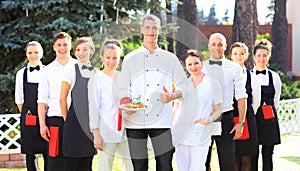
[222, 5]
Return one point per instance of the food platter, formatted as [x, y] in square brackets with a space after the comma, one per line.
[134, 107]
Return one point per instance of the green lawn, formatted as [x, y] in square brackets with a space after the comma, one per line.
[286, 157]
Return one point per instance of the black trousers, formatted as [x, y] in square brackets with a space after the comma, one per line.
[56, 163]
[225, 144]
[78, 164]
[161, 140]
[267, 158]
[31, 163]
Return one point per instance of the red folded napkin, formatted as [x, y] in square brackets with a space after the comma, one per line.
[124, 100]
[54, 141]
[30, 120]
[245, 134]
[267, 112]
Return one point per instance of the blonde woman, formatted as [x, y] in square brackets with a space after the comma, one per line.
[77, 144]
[27, 81]
[104, 120]
[245, 148]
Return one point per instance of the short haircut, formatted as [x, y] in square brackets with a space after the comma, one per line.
[61, 35]
[88, 40]
[242, 45]
[151, 17]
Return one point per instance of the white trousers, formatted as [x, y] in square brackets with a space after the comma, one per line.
[106, 157]
[191, 158]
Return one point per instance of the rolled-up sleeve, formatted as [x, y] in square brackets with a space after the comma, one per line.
[239, 85]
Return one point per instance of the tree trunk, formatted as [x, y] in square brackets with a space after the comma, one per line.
[170, 37]
[279, 35]
[187, 35]
[244, 27]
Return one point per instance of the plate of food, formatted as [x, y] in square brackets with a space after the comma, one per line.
[134, 106]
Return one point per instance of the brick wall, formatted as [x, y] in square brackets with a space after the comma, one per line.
[12, 159]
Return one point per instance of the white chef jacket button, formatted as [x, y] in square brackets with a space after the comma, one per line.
[157, 69]
[147, 99]
[147, 84]
[157, 84]
[157, 99]
[157, 115]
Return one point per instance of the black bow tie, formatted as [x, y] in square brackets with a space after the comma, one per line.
[33, 68]
[261, 72]
[86, 67]
[215, 62]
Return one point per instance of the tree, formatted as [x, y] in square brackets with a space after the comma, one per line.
[279, 35]
[244, 27]
[170, 37]
[187, 22]
[211, 18]
[226, 17]
[201, 18]
[24, 21]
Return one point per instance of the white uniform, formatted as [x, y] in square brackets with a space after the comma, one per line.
[193, 139]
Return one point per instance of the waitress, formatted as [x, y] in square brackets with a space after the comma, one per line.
[27, 80]
[270, 83]
[78, 146]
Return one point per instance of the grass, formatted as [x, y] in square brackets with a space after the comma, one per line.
[286, 157]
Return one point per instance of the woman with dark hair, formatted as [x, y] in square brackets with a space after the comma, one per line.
[266, 116]
[192, 128]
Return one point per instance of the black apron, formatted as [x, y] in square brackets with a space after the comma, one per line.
[248, 146]
[31, 140]
[268, 130]
[77, 137]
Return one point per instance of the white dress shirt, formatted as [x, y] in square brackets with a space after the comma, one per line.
[263, 80]
[32, 77]
[50, 86]
[256, 89]
[231, 78]
[107, 103]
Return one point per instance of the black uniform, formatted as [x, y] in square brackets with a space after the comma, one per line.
[31, 140]
[77, 138]
[247, 147]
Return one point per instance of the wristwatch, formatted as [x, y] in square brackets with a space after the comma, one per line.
[242, 123]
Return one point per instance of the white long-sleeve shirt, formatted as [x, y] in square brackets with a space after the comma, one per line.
[105, 117]
[231, 79]
[50, 86]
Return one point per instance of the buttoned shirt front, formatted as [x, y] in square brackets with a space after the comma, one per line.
[231, 78]
[144, 75]
[50, 86]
